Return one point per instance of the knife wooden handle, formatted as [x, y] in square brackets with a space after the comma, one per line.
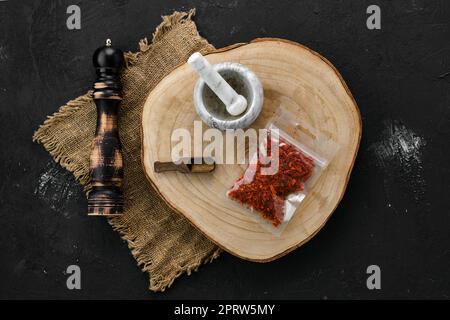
[170, 166]
[106, 164]
[189, 165]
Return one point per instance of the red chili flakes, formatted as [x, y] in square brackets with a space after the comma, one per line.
[266, 194]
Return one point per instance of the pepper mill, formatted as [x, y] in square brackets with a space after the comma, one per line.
[106, 165]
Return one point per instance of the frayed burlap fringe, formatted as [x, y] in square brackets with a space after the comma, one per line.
[162, 242]
[158, 282]
[51, 143]
[166, 25]
[169, 21]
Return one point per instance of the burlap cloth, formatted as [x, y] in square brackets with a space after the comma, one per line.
[162, 241]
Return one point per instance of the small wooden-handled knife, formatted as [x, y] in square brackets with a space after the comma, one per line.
[189, 165]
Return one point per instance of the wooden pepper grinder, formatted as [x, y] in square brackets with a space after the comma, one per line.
[106, 167]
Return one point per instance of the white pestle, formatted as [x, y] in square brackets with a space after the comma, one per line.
[234, 102]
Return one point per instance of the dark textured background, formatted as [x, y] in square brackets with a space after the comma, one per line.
[396, 210]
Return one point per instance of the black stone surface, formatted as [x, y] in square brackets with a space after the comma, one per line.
[395, 213]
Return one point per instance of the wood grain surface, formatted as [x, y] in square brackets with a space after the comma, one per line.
[293, 77]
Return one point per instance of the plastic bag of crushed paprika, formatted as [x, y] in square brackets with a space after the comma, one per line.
[282, 171]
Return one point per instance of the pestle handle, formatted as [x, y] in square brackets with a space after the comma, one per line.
[106, 165]
[234, 102]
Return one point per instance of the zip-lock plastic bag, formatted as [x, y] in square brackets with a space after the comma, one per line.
[289, 161]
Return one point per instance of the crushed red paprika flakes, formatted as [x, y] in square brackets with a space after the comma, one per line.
[267, 194]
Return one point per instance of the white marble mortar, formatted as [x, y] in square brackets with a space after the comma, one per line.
[213, 112]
